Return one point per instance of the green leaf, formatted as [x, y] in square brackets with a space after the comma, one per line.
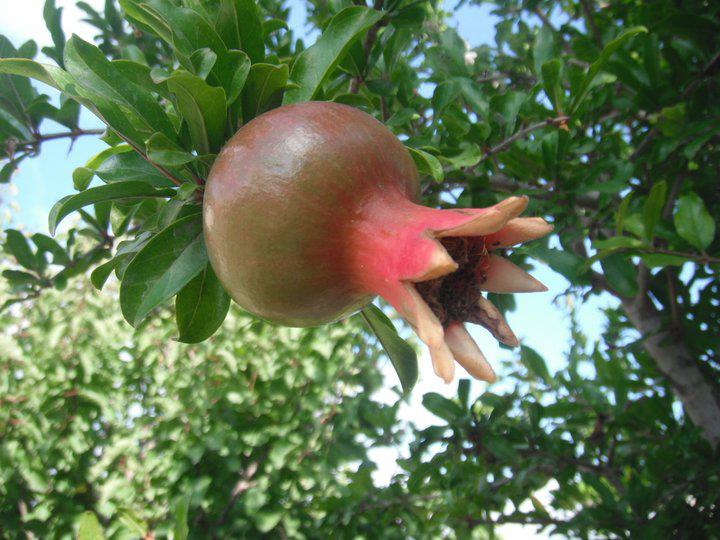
[263, 88]
[119, 190]
[101, 273]
[442, 407]
[535, 363]
[48, 245]
[33, 70]
[620, 273]
[7, 170]
[235, 74]
[203, 60]
[201, 307]
[552, 84]
[16, 93]
[239, 26]
[469, 156]
[597, 65]
[89, 527]
[464, 392]
[266, 520]
[693, 222]
[181, 530]
[427, 164]
[315, 64]
[162, 268]
[402, 355]
[507, 106]
[17, 245]
[653, 208]
[622, 212]
[617, 242]
[444, 94]
[133, 522]
[94, 72]
[202, 107]
[163, 151]
[53, 21]
[544, 48]
[18, 277]
[273, 25]
[131, 167]
[660, 260]
[82, 176]
[98, 159]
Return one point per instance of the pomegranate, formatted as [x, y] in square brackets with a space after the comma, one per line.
[310, 212]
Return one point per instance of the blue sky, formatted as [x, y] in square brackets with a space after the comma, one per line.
[539, 321]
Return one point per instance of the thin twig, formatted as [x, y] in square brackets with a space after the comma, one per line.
[73, 134]
[556, 121]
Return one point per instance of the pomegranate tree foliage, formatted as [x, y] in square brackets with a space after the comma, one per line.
[604, 113]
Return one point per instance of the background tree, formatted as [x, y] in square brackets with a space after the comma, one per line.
[606, 114]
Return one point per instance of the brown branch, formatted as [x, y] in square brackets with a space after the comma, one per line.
[73, 134]
[162, 170]
[519, 518]
[699, 395]
[503, 183]
[502, 145]
[241, 486]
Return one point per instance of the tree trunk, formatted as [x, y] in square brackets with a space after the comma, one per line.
[699, 396]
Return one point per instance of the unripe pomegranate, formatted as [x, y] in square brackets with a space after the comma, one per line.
[310, 211]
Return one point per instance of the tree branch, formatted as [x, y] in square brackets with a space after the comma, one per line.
[519, 518]
[556, 121]
[700, 396]
[40, 138]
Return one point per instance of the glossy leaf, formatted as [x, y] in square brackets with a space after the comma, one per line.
[535, 363]
[130, 189]
[263, 89]
[130, 166]
[240, 28]
[201, 307]
[693, 222]
[162, 268]
[100, 76]
[17, 245]
[620, 273]
[89, 527]
[442, 407]
[597, 65]
[427, 164]
[315, 64]
[53, 22]
[202, 107]
[552, 83]
[402, 355]
[652, 211]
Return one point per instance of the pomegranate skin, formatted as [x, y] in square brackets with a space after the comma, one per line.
[310, 211]
[281, 202]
